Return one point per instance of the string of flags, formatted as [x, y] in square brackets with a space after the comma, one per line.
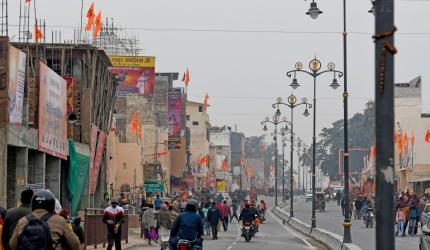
[94, 22]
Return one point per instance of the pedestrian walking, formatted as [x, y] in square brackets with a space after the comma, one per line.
[358, 205]
[157, 203]
[2, 217]
[226, 213]
[78, 230]
[113, 217]
[414, 217]
[406, 211]
[164, 225]
[206, 223]
[14, 215]
[400, 219]
[42, 229]
[214, 217]
[235, 206]
[149, 223]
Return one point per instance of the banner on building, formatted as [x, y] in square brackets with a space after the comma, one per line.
[70, 84]
[136, 74]
[175, 117]
[79, 163]
[17, 60]
[52, 113]
[221, 186]
[98, 142]
[212, 180]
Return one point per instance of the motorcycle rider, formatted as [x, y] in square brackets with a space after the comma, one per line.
[187, 226]
[43, 207]
[247, 214]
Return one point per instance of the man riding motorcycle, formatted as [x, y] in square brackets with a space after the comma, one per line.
[188, 226]
[248, 214]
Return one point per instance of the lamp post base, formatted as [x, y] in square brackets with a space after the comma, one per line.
[314, 222]
[347, 231]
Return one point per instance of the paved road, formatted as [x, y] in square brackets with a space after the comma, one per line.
[332, 219]
[272, 236]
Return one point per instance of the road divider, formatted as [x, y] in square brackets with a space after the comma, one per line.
[331, 240]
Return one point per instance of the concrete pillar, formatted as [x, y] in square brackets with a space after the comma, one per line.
[21, 172]
[36, 167]
[53, 175]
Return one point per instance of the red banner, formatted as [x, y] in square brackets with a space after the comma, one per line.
[98, 141]
[212, 180]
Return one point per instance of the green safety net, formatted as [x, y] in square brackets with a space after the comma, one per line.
[78, 175]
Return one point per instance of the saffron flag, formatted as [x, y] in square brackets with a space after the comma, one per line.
[140, 132]
[90, 16]
[206, 102]
[224, 165]
[412, 138]
[373, 149]
[204, 160]
[405, 140]
[427, 138]
[186, 78]
[134, 124]
[37, 33]
[98, 25]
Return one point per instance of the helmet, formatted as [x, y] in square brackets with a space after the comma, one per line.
[43, 199]
[114, 201]
[192, 205]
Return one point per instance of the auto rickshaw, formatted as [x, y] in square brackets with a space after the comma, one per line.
[320, 201]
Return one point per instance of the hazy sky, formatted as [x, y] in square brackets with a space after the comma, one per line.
[244, 72]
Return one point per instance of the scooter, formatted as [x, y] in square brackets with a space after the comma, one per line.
[247, 230]
[370, 215]
[186, 245]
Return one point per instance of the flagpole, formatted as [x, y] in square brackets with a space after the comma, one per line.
[82, 17]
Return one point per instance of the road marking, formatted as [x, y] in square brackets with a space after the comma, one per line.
[228, 248]
[291, 231]
[234, 243]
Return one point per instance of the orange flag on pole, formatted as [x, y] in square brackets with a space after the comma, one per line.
[140, 132]
[427, 138]
[224, 165]
[204, 160]
[90, 16]
[186, 78]
[373, 153]
[206, 102]
[134, 124]
[37, 33]
[412, 138]
[405, 140]
[98, 25]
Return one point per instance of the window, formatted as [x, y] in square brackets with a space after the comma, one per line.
[195, 123]
[200, 109]
[187, 117]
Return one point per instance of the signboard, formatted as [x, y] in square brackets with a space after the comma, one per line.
[212, 180]
[154, 187]
[17, 60]
[98, 141]
[52, 113]
[35, 187]
[175, 117]
[136, 74]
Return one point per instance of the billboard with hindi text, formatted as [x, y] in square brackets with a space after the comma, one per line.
[17, 60]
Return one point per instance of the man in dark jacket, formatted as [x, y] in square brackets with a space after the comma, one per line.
[14, 215]
[187, 226]
[114, 217]
[214, 216]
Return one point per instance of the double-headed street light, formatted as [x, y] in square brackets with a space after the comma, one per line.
[315, 67]
[292, 103]
[283, 133]
[275, 121]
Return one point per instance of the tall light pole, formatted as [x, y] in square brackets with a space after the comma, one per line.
[275, 121]
[314, 12]
[283, 133]
[292, 103]
[314, 66]
[384, 118]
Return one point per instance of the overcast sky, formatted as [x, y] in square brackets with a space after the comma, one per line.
[244, 72]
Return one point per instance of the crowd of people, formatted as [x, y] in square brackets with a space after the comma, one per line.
[407, 214]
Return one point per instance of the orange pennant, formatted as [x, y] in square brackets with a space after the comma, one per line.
[90, 16]
[140, 132]
[412, 138]
[224, 165]
[37, 33]
[186, 78]
[427, 138]
[204, 160]
[98, 25]
[206, 102]
[134, 124]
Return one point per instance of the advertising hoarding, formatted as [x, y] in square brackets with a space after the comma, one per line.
[136, 74]
[174, 115]
[52, 113]
[17, 60]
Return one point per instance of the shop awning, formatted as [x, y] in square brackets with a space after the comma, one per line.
[420, 179]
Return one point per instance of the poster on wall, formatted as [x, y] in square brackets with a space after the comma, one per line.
[52, 113]
[98, 142]
[136, 74]
[175, 117]
[17, 60]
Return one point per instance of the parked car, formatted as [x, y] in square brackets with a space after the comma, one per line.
[425, 216]
[309, 196]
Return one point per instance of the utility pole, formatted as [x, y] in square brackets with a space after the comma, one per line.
[384, 119]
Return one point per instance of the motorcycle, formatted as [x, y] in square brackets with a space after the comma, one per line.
[247, 230]
[262, 216]
[187, 245]
[368, 219]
